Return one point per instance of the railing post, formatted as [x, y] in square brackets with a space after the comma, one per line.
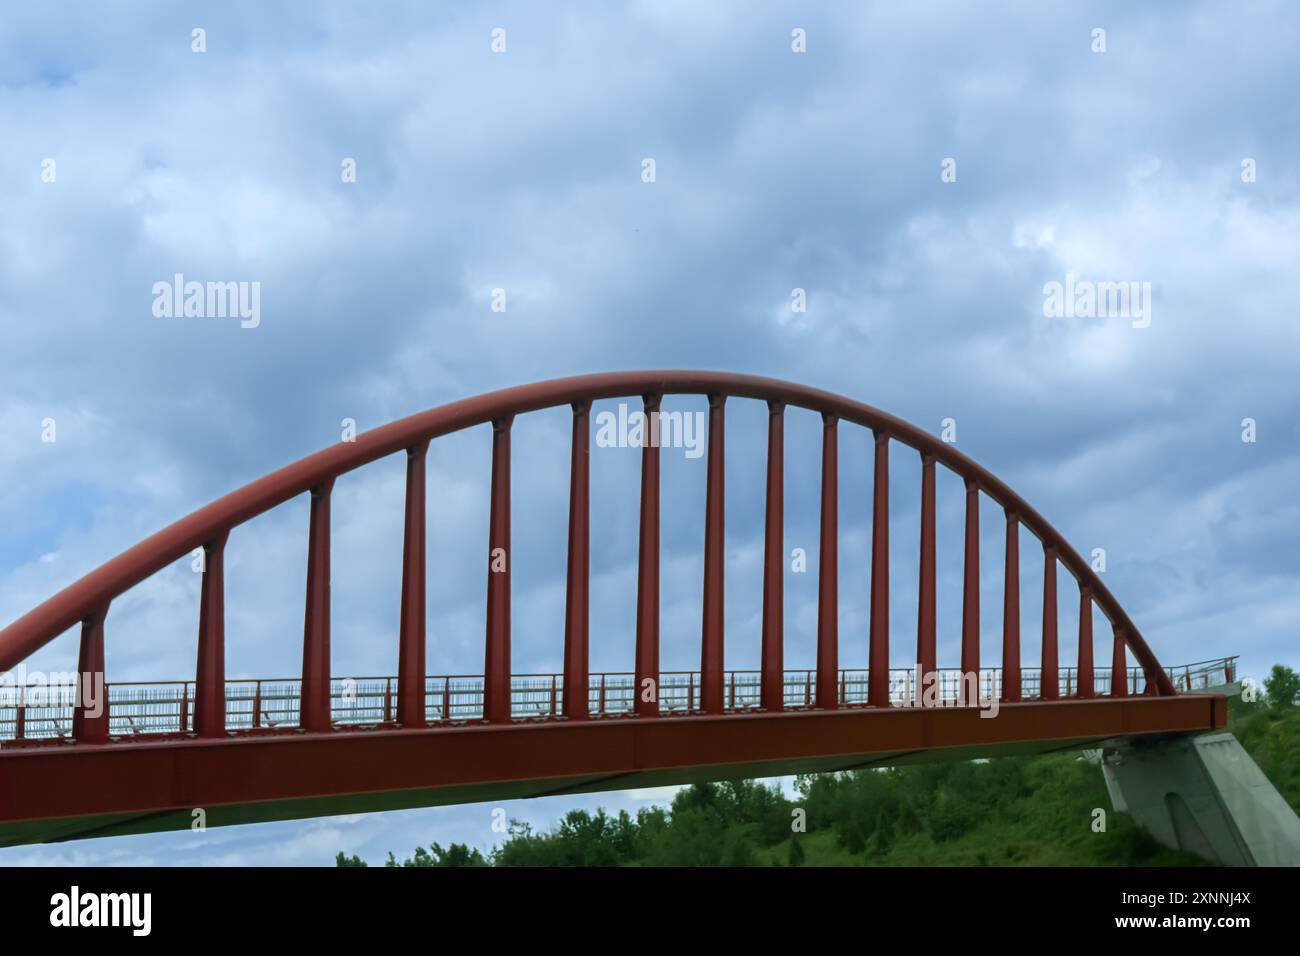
[1049, 684]
[1011, 613]
[388, 701]
[647, 589]
[184, 716]
[446, 698]
[926, 655]
[90, 709]
[257, 704]
[314, 701]
[576, 602]
[1118, 665]
[600, 703]
[712, 627]
[970, 598]
[20, 713]
[878, 640]
[496, 661]
[210, 671]
[1087, 686]
[828, 571]
[772, 679]
[411, 633]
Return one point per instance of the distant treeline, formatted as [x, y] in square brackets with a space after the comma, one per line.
[1039, 811]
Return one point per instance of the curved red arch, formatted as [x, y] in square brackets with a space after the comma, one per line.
[88, 598]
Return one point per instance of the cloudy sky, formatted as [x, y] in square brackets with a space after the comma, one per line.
[523, 170]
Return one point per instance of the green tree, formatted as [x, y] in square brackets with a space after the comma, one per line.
[1282, 687]
[457, 854]
[738, 850]
[796, 852]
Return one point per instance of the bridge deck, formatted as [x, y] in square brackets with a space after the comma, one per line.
[71, 791]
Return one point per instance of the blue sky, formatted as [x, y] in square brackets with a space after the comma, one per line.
[522, 170]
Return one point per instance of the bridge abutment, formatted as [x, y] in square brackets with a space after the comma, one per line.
[1205, 795]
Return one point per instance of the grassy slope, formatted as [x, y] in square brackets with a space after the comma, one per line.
[1050, 822]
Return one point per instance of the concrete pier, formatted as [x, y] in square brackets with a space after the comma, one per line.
[1205, 795]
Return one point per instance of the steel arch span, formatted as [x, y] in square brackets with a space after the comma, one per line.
[141, 757]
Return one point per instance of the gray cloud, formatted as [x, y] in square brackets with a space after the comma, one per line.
[521, 171]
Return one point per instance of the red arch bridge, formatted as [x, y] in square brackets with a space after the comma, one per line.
[142, 757]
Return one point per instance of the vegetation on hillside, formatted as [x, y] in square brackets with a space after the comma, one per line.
[1040, 811]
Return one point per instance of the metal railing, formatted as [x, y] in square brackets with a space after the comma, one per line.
[268, 705]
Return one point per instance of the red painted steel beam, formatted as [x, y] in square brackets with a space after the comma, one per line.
[45, 622]
[295, 775]
[712, 695]
[878, 639]
[1011, 613]
[772, 678]
[1049, 679]
[926, 654]
[576, 601]
[90, 710]
[314, 704]
[1118, 667]
[970, 595]
[645, 701]
[828, 613]
[496, 658]
[210, 668]
[411, 634]
[1087, 687]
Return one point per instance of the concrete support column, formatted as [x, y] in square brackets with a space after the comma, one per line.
[1204, 795]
